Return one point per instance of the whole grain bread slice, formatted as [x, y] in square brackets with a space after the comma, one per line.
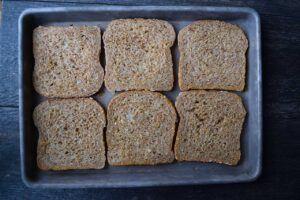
[70, 134]
[67, 61]
[210, 126]
[212, 56]
[141, 128]
[138, 55]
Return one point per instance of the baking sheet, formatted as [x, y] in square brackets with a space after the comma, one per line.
[177, 173]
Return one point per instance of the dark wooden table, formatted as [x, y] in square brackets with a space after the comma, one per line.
[280, 177]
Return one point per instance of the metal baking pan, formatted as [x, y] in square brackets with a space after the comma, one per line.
[177, 173]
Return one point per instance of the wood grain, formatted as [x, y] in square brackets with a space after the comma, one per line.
[281, 102]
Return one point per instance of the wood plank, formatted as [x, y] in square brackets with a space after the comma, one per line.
[281, 80]
[9, 121]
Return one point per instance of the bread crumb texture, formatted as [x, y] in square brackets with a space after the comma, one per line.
[210, 126]
[67, 61]
[212, 56]
[70, 134]
[138, 55]
[141, 128]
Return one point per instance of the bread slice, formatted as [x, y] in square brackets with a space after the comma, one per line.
[67, 61]
[70, 134]
[140, 130]
[210, 126]
[212, 56]
[138, 55]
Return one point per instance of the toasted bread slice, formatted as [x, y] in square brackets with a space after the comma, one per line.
[212, 56]
[210, 126]
[141, 128]
[138, 55]
[70, 134]
[67, 61]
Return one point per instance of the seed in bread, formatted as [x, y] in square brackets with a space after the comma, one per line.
[210, 126]
[141, 128]
[138, 55]
[67, 61]
[70, 134]
[212, 56]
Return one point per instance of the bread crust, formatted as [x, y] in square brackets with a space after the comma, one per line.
[70, 134]
[67, 61]
[212, 56]
[210, 126]
[138, 55]
[141, 129]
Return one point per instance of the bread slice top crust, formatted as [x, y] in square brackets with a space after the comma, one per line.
[210, 126]
[138, 55]
[141, 129]
[70, 134]
[67, 61]
[212, 56]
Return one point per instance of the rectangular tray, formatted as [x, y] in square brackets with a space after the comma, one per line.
[177, 173]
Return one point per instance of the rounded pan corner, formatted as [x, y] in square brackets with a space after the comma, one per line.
[21, 21]
[24, 14]
[252, 12]
[255, 174]
[29, 183]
